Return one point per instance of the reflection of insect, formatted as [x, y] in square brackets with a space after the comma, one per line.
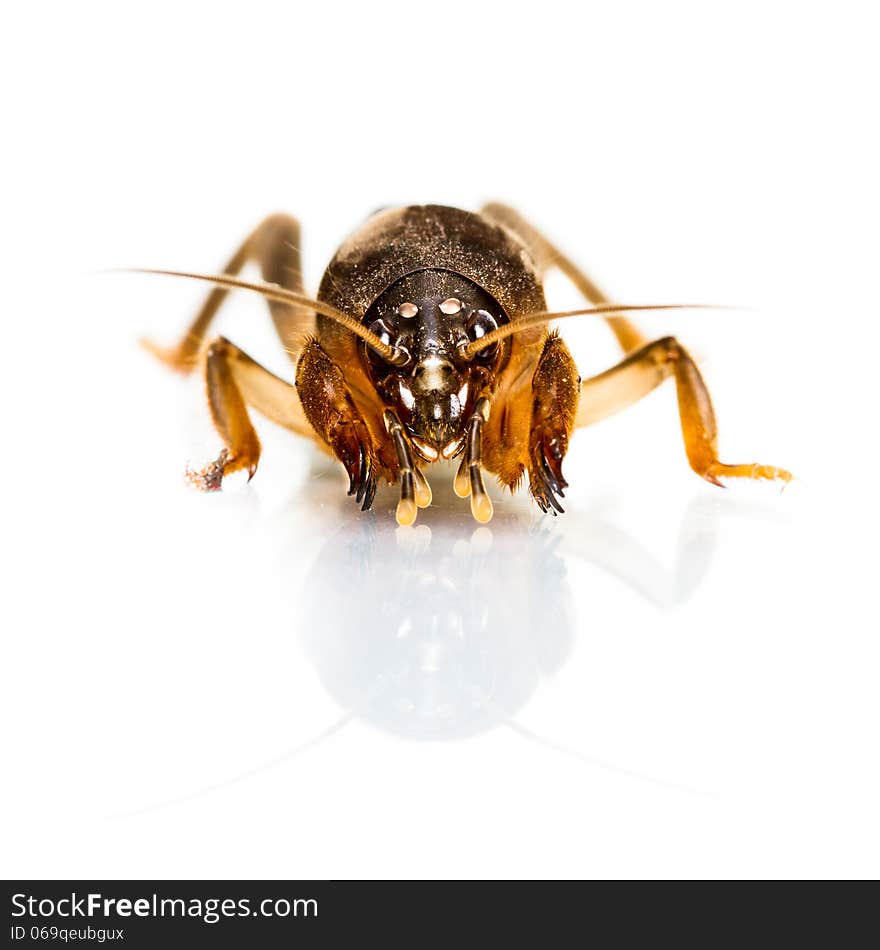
[429, 340]
[461, 639]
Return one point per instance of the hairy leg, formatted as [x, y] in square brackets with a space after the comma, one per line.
[555, 390]
[366, 451]
[644, 370]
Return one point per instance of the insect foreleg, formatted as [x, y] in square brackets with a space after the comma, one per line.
[365, 450]
[644, 370]
[555, 398]
[415, 492]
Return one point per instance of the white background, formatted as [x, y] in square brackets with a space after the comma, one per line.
[669, 680]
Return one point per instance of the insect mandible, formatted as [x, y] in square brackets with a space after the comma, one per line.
[429, 340]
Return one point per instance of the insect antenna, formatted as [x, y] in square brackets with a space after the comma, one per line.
[393, 354]
[470, 350]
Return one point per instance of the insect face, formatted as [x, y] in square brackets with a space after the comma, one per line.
[432, 315]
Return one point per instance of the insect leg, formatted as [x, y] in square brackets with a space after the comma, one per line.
[234, 380]
[555, 388]
[275, 247]
[546, 255]
[643, 371]
[347, 426]
[469, 478]
[415, 492]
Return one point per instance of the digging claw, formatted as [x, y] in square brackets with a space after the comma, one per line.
[354, 453]
[547, 480]
[369, 492]
[361, 482]
[362, 477]
[355, 471]
[551, 469]
[546, 498]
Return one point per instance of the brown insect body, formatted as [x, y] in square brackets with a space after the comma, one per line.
[424, 256]
[429, 340]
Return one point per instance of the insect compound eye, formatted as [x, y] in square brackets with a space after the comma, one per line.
[383, 331]
[450, 306]
[408, 310]
[480, 323]
[388, 336]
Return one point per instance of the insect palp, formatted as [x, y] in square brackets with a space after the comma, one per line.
[469, 477]
[423, 489]
[415, 492]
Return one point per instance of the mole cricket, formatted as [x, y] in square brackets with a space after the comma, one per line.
[429, 339]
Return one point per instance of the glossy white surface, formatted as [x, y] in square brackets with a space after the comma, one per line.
[667, 680]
